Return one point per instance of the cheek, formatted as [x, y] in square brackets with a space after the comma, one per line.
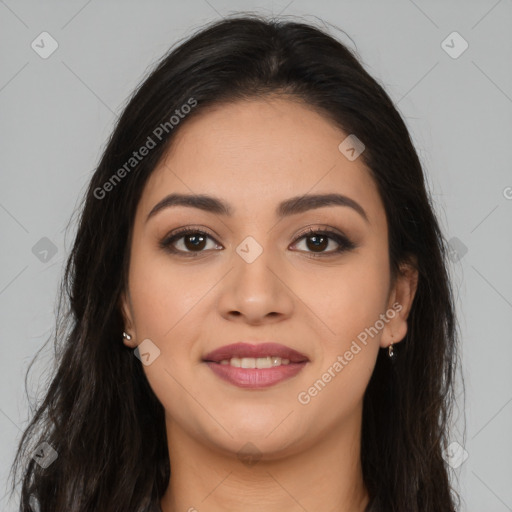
[166, 303]
[346, 298]
[349, 302]
[162, 297]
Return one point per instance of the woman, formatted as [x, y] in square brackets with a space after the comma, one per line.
[260, 312]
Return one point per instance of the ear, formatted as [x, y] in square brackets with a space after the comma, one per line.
[125, 306]
[400, 301]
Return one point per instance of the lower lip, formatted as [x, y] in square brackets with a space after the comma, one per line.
[255, 378]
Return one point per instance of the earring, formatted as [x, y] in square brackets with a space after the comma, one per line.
[391, 352]
[127, 336]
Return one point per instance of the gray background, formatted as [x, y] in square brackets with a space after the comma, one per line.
[56, 115]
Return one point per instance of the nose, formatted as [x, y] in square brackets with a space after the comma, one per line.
[255, 290]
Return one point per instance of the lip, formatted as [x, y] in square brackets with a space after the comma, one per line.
[255, 378]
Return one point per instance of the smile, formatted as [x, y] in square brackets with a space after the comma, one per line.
[255, 366]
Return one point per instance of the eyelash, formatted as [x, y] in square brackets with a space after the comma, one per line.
[343, 242]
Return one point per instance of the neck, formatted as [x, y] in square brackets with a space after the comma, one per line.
[327, 475]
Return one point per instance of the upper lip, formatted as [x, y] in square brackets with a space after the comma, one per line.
[242, 349]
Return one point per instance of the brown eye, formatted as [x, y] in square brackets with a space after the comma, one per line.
[189, 242]
[316, 241]
[194, 242]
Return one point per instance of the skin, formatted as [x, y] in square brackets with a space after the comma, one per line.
[253, 155]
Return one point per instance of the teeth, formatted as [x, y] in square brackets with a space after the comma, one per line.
[256, 362]
[248, 362]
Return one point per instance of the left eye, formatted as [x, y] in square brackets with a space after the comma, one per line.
[317, 241]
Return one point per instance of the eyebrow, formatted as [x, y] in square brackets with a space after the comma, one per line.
[292, 206]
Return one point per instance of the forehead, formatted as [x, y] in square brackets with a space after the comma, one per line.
[258, 152]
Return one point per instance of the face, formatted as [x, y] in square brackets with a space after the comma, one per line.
[312, 276]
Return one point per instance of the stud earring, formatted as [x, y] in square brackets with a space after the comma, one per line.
[127, 336]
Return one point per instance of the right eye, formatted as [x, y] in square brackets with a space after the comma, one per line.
[193, 244]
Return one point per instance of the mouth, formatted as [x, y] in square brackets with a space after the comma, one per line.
[255, 366]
